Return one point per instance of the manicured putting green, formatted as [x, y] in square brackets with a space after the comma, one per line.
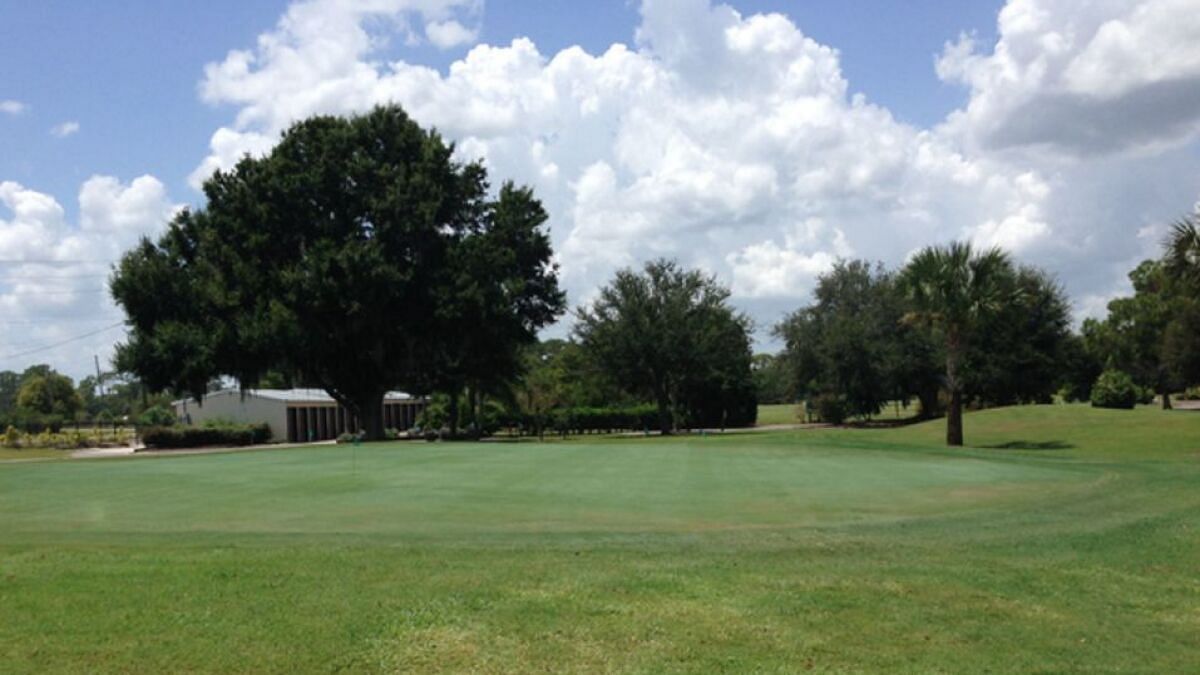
[486, 489]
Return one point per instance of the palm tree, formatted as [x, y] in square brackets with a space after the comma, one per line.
[1183, 251]
[953, 289]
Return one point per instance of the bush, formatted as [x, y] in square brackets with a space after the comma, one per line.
[1191, 394]
[347, 437]
[156, 416]
[831, 408]
[1114, 389]
[12, 437]
[195, 437]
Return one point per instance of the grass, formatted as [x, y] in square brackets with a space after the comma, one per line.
[1070, 546]
[790, 413]
[31, 453]
[779, 413]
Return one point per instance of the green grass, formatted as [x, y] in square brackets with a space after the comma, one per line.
[779, 413]
[7, 454]
[1074, 547]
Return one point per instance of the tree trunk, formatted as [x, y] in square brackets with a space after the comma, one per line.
[929, 402]
[954, 422]
[370, 414]
[1166, 399]
[664, 416]
[475, 400]
[452, 413]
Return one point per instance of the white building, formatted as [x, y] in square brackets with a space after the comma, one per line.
[294, 415]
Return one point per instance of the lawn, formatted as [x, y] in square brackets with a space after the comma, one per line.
[779, 413]
[1071, 545]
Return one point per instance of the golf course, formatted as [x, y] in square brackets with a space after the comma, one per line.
[1066, 540]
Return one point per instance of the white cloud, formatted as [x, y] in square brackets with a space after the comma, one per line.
[1082, 78]
[730, 142]
[733, 142]
[450, 33]
[10, 107]
[708, 142]
[65, 129]
[53, 279]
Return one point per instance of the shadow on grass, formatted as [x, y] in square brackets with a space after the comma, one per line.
[885, 423]
[1032, 445]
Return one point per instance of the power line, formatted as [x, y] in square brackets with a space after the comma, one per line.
[81, 291]
[59, 344]
[46, 277]
[61, 319]
[48, 261]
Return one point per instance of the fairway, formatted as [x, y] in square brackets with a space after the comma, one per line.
[1071, 545]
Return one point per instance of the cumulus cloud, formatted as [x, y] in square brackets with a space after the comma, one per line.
[449, 33]
[732, 142]
[65, 129]
[1082, 79]
[53, 275]
[10, 107]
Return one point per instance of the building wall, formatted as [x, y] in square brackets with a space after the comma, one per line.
[291, 421]
[323, 421]
[231, 406]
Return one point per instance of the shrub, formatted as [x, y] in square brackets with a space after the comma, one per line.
[1191, 394]
[347, 437]
[12, 437]
[195, 437]
[831, 408]
[1114, 389]
[156, 416]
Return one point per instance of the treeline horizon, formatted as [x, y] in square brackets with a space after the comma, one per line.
[359, 256]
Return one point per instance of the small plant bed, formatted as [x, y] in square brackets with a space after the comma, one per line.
[17, 440]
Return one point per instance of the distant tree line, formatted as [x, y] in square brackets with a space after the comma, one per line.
[953, 328]
[1151, 339]
[360, 256]
[959, 328]
[40, 398]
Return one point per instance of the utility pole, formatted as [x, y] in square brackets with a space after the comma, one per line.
[99, 379]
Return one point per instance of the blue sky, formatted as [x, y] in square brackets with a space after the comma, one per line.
[759, 140]
[128, 71]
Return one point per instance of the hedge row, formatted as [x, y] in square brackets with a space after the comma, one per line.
[195, 437]
[588, 420]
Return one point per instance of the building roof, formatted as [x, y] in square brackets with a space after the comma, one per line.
[317, 396]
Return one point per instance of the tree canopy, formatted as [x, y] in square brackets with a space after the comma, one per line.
[850, 343]
[357, 256]
[49, 393]
[956, 291]
[668, 334]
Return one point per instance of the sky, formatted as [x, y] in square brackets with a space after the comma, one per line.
[760, 140]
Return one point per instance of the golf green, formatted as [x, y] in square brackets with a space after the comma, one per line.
[1071, 544]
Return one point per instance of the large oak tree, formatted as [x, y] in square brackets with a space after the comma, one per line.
[357, 256]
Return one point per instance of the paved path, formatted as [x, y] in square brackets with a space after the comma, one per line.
[141, 451]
